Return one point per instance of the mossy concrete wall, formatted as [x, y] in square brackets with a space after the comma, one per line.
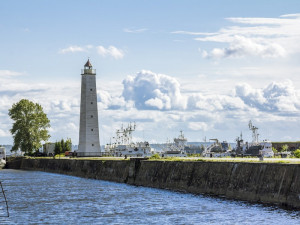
[254, 182]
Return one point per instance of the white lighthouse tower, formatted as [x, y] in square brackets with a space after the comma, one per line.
[89, 144]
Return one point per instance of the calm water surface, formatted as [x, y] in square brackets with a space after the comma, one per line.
[45, 198]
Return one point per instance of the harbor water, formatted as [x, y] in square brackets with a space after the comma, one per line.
[46, 198]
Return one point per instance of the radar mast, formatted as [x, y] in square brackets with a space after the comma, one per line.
[254, 132]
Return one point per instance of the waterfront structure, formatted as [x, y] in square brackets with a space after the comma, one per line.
[217, 149]
[89, 144]
[176, 149]
[123, 145]
[256, 147]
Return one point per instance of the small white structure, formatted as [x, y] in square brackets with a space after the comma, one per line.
[89, 144]
[2, 157]
[48, 148]
[267, 150]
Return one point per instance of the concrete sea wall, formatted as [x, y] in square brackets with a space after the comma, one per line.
[254, 182]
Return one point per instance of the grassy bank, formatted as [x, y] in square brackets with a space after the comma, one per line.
[237, 159]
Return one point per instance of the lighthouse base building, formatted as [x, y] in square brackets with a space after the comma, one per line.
[89, 144]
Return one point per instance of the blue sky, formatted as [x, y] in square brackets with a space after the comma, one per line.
[206, 67]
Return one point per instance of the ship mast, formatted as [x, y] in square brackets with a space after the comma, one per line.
[254, 132]
[124, 135]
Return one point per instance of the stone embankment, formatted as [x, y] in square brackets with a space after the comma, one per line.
[255, 182]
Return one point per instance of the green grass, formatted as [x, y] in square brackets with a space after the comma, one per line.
[79, 158]
[245, 160]
[188, 159]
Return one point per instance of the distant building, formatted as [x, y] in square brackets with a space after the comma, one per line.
[89, 143]
[48, 148]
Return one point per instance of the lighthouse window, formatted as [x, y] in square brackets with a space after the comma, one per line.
[91, 116]
[91, 103]
[92, 144]
[92, 129]
[91, 89]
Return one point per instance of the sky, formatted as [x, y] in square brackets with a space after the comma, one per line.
[204, 67]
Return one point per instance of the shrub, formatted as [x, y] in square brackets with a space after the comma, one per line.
[297, 153]
[155, 156]
[201, 160]
[285, 148]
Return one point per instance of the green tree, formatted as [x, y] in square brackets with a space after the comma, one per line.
[284, 148]
[297, 153]
[30, 126]
[57, 148]
[274, 150]
[68, 145]
[62, 144]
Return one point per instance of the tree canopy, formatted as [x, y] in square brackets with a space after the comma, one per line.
[297, 153]
[284, 148]
[62, 146]
[30, 126]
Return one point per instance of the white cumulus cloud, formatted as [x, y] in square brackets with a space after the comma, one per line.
[241, 46]
[149, 90]
[8, 73]
[110, 51]
[72, 49]
[281, 97]
[160, 106]
[258, 37]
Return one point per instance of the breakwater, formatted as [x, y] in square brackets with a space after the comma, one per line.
[255, 182]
